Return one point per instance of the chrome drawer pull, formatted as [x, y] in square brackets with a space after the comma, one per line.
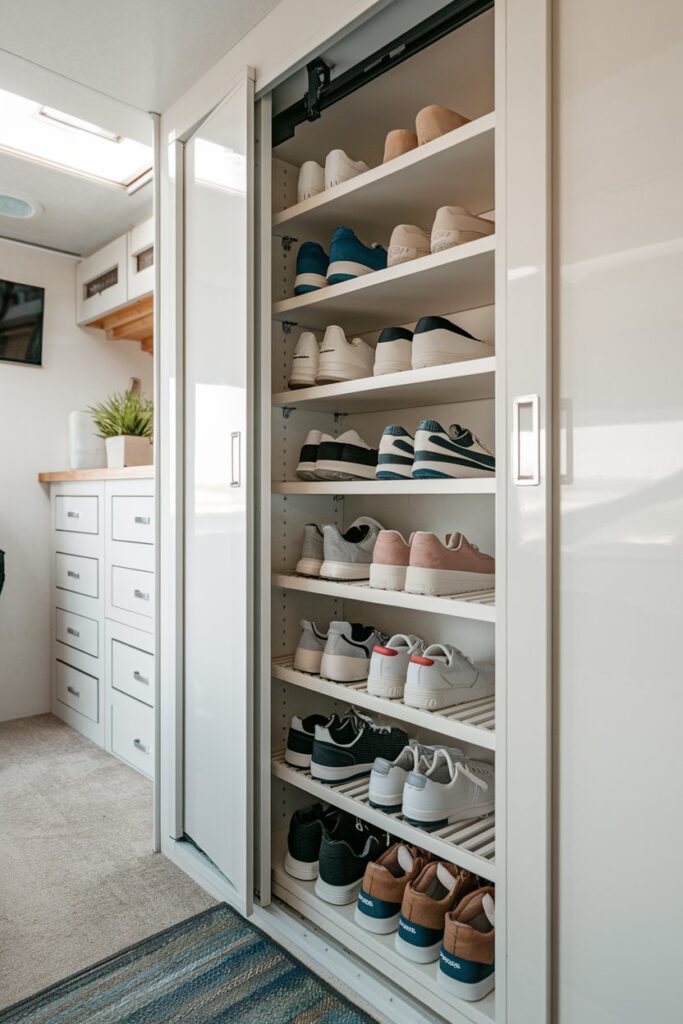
[139, 678]
[141, 594]
[74, 575]
[141, 746]
[72, 632]
[143, 520]
[73, 515]
[72, 689]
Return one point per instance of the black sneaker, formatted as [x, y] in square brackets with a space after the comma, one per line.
[347, 749]
[303, 840]
[346, 457]
[300, 739]
[345, 851]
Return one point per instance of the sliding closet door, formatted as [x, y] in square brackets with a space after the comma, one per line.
[218, 569]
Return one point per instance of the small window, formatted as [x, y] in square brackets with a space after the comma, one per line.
[144, 259]
[101, 283]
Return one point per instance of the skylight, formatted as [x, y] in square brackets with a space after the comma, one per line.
[31, 130]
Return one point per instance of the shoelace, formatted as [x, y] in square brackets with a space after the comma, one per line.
[470, 772]
[368, 723]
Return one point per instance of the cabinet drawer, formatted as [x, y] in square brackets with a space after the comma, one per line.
[77, 631]
[78, 690]
[132, 733]
[132, 671]
[76, 573]
[77, 513]
[133, 590]
[132, 518]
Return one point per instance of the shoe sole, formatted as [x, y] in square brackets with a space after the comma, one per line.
[343, 668]
[388, 577]
[426, 470]
[419, 954]
[296, 759]
[344, 571]
[302, 382]
[470, 993]
[424, 700]
[339, 895]
[446, 582]
[307, 661]
[339, 772]
[309, 283]
[306, 471]
[379, 370]
[308, 567]
[391, 689]
[339, 373]
[378, 925]
[306, 871]
[331, 469]
[346, 270]
[435, 819]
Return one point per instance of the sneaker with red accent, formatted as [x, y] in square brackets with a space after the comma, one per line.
[441, 676]
[389, 665]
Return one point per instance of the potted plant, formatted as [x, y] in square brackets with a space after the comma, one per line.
[125, 421]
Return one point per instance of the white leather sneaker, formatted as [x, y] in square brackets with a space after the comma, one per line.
[407, 242]
[394, 351]
[311, 181]
[451, 790]
[441, 676]
[342, 360]
[305, 361]
[437, 340]
[453, 225]
[339, 167]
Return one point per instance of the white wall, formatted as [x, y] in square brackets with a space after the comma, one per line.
[79, 367]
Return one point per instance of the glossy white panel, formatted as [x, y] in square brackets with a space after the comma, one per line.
[619, 540]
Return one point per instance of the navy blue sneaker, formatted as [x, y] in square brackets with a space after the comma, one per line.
[349, 258]
[396, 454]
[311, 268]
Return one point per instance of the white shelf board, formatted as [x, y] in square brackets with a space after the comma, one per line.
[455, 169]
[479, 606]
[443, 282]
[378, 950]
[469, 844]
[379, 487]
[467, 381]
[470, 722]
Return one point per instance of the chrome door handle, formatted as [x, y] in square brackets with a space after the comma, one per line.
[139, 678]
[141, 594]
[141, 746]
[526, 441]
[73, 574]
[72, 632]
[72, 689]
[235, 458]
[143, 520]
[73, 515]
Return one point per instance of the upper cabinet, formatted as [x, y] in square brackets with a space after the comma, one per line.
[141, 260]
[119, 273]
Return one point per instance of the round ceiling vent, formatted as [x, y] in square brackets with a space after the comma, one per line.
[22, 207]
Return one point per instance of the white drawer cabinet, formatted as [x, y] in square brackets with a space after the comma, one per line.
[77, 631]
[78, 690]
[132, 590]
[132, 732]
[78, 573]
[132, 671]
[132, 518]
[78, 513]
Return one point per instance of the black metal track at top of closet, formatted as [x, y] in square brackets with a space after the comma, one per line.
[323, 92]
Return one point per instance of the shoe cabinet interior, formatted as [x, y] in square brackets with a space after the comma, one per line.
[456, 169]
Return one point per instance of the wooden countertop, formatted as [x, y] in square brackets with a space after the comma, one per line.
[130, 473]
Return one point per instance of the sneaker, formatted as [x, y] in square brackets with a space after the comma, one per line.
[455, 452]
[348, 556]
[300, 739]
[394, 351]
[311, 551]
[407, 242]
[387, 778]
[434, 121]
[345, 851]
[450, 791]
[441, 676]
[342, 360]
[349, 258]
[347, 457]
[311, 268]
[346, 657]
[347, 749]
[398, 142]
[426, 901]
[438, 340]
[395, 454]
[384, 882]
[390, 560]
[389, 665]
[311, 181]
[453, 225]
[339, 167]
[305, 361]
[305, 835]
[467, 954]
[309, 650]
[456, 567]
[308, 456]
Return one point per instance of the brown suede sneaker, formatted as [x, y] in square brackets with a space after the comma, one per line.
[384, 882]
[466, 959]
[398, 142]
[433, 121]
[456, 567]
[426, 901]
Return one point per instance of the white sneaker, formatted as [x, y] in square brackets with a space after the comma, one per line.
[437, 340]
[441, 676]
[311, 181]
[339, 167]
[407, 242]
[387, 778]
[342, 360]
[305, 361]
[394, 351]
[389, 665]
[453, 225]
[450, 791]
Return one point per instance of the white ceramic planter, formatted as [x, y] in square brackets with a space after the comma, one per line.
[127, 450]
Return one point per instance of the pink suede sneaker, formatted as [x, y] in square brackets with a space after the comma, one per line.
[456, 567]
[390, 559]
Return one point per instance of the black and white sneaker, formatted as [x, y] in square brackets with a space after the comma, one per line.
[346, 457]
[300, 739]
[347, 749]
[308, 456]
[305, 835]
[455, 452]
[345, 850]
[348, 649]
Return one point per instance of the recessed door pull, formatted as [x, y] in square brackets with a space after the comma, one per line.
[143, 520]
[139, 678]
[73, 515]
[72, 689]
[73, 574]
[235, 457]
[72, 632]
[141, 746]
[143, 595]
[526, 446]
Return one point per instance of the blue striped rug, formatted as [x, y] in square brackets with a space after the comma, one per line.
[214, 967]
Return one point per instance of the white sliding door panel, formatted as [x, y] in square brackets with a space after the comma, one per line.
[218, 487]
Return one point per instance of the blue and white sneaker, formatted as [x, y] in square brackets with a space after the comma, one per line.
[349, 258]
[394, 351]
[438, 340]
[311, 268]
[395, 458]
[441, 454]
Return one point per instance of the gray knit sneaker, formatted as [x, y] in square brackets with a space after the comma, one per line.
[310, 648]
[346, 657]
[348, 556]
[311, 551]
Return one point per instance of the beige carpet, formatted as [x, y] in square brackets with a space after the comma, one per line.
[78, 880]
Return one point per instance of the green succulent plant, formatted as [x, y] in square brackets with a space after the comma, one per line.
[125, 413]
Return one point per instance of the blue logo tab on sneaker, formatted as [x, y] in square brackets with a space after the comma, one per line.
[349, 258]
[469, 972]
[373, 907]
[417, 934]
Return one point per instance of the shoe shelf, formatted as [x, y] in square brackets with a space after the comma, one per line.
[450, 383]
[469, 844]
[415, 488]
[479, 605]
[455, 169]
[443, 282]
[470, 722]
[375, 950]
